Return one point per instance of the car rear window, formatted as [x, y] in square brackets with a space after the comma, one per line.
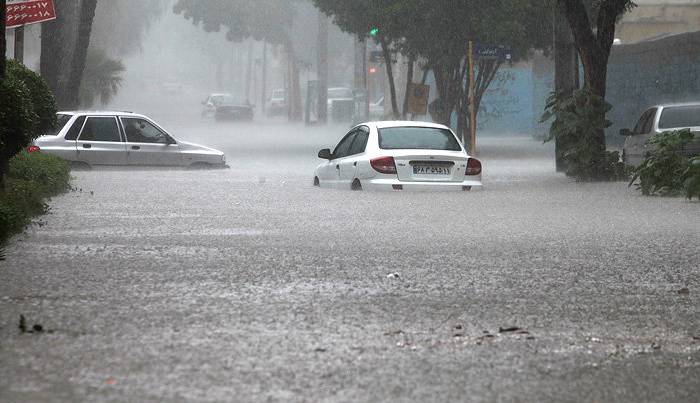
[61, 120]
[680, 116]
[417, 138]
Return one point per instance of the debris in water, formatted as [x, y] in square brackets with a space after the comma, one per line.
[393, 275]
[510, 329]
[684, 291]
[22, 324]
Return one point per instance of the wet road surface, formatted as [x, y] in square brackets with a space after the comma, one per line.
[249, 284]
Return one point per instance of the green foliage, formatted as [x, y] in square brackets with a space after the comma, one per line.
[43, 101]
[18, 121]
[101, 78]
[665, 170]
[47, 171]
[578, 122]
[31, 179]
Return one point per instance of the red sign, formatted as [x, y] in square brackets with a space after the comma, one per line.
[29, 12]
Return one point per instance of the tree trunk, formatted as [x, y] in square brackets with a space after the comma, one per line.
[390, 74]
[594, 47]
[87, 15]
[322, 101]
[3, 44]
[409, 81]
[294, 97]
[566, 71]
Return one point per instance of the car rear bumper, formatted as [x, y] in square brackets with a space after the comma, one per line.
[395, 184]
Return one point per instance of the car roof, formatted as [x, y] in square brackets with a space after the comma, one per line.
[404, 123]
[103, 113]
[677, 105]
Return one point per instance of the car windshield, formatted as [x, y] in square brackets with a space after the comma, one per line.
[680, 116]
[417, 138]
[61, 121]
[336, 93]
[220, 100]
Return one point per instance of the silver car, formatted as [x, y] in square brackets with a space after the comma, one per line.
[121, 138]
[657, 120]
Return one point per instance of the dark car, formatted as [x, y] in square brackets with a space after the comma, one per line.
[227, 107]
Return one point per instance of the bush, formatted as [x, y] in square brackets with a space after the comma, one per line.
[578, 123]
[27, 109]
[42, 99]
[49, 172]
[665, 170]
[31, 179]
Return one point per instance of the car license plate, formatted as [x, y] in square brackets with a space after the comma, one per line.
[430, 170]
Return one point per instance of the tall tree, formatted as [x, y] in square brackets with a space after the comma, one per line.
[263, 20]
[64, 44]
[594, 41]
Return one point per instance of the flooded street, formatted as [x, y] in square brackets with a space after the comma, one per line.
[249, 284]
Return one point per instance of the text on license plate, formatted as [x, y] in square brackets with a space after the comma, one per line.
[430, 170]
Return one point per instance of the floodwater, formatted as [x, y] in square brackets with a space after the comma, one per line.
[249, 284]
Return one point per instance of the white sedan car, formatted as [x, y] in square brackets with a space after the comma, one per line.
[121, 138]
[399, 156]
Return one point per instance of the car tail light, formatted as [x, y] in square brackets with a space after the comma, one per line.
[384, 165]
[473, 167]
[33, 149]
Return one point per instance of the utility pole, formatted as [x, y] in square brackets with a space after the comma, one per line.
[566, 69]
[19, 44]
[322, 112]
[249, 72]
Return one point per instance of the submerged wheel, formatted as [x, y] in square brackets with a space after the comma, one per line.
[80, 166]
[356, 185]
[317, 183]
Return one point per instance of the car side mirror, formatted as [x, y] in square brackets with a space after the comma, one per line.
[325, 154]
[625, 132]
[169, 140]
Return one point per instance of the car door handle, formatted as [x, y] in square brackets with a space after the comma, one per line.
[337, 166]
[135, 148]
[354, 164]
[87, 145]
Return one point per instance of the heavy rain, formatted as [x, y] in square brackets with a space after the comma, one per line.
[350, 201]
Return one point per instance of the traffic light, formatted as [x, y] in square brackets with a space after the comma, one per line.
[372, 70]
[374, 31]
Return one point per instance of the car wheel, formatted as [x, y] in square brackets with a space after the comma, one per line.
[356, 185]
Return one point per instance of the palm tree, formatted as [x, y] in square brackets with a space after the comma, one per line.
[101, 78]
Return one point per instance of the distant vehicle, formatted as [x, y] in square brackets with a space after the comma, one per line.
[121, 138]
[339, 94]
[399, 156]
[376, 109]
[227, 107]
[277, 104]
[657, 120]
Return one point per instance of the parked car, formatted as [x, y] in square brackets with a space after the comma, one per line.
[227, 107]
[122, 138]
[340, 96]
[399, 156]
[277, 104]
[657, 120]
[376, 109]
